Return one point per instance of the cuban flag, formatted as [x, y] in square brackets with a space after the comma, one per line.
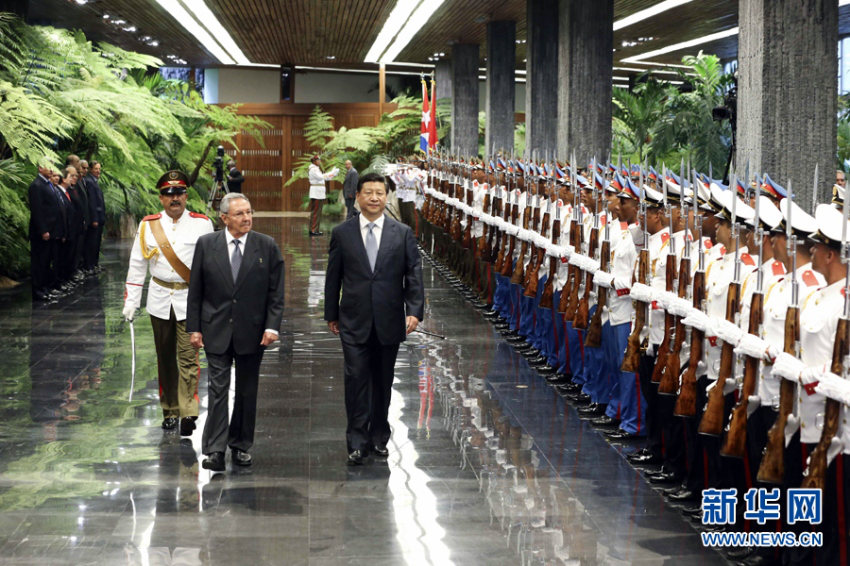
[425, 127]
[432, 126]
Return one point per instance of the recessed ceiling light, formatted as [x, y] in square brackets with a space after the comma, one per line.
[648, 13]
[404, 21]
[330, 57]
[191, 22]
[129, 29]
[81, 2]
[106, 16]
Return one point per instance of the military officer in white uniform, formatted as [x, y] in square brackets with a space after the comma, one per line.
[165, 245]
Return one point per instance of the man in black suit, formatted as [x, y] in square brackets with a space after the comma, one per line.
[46, 224]
[97, 217]
[234, 310]
[349, 187]
[234, 178]
[374, 261]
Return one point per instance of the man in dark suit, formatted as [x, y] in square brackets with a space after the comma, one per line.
[349, 187]
[97, 217]
[234, 178]
[46, 223]
[234, 310]
[374, 261]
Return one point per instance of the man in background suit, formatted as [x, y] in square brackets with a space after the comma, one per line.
[373, 260]
[349, 187]
[97, 218]
[234, 178]
[46, 217]
[234, 311]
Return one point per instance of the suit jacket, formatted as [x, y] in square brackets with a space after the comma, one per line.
[239, 313]
[380, 298]
[46, 213]
[235, 180]
[349, 185]
[97, 210]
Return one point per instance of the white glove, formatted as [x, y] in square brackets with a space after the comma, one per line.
[834, 387]
[730, 385]
[835, 448]
[771, 353]
[641, 292]
[753, 403]
[752, 346]
[665, 299]
[591, 265]
[680, 307]
[812, 374]
[568, 250]
[602, 279]
[788, 366]
[129, 312]
[697, 319]
[620, 283]
[727, 331]
[576, 259]
[791, 427]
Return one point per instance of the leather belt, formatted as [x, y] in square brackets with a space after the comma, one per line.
[175, 286]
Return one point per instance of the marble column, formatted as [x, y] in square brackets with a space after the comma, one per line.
[787, 92]
[541, 87]
[585, 60]
[443, 76]
[501, 86]
[465, 99]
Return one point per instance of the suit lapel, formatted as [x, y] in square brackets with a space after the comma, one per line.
[222, 258]
[360, 247]
[251, 249]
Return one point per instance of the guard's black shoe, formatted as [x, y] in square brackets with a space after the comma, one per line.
[187, 425]
[169, 423]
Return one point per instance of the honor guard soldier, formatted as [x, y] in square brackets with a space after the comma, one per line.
[165, 245]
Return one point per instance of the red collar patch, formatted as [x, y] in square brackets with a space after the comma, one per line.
[809, 278]
[777, 267]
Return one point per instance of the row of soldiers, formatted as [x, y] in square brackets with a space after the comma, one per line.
[67, 216]
[709, 320]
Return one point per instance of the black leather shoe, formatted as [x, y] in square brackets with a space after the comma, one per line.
[663, 477]
[169, 423]
[605, 420]
[187, 425]
[355, 458]
[621, 435]
[739, 553]
[214, 462]
[316, 233]
[579, 398]
[644, 459]
[380, 450]
[693, 511]
[684, 495]
[592, 410]
[570, 387]
[240, 457]
[515, 339]
[536, 360]
[545, 370]
[558, 378]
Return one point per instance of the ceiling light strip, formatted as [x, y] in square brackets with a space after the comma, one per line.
[684, 45]
[649, 12]
[204, 15]
[417, 19]
[183, 17]
[395, 21]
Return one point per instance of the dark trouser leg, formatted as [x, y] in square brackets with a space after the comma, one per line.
[358, 394]
[215, 430]
[315, 213]
[66, 259]
[349, 205]
[40, 266]
[650, 393]
[92, 245]
[165, 341]
[189, 370]
[383, 365]
[244, 417]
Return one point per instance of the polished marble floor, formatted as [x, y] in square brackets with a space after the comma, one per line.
[487, 465]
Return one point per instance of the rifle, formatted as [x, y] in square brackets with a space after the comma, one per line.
[502, 237]
[580, 319]
[772, 467]
[670, 378]
[572, 278]
[712, 419]
[519, 270]
[734, 445]
[536, 228]
[686, 402]
[547, 298]
[508, 258]
[489, 206]
[631, 360]
[594, 331]
[815, 475]
[663, 353]
[537, 253]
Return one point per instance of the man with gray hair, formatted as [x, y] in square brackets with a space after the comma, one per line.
[234, 313]
[349, 187]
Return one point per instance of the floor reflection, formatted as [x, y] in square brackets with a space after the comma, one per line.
[487, 465]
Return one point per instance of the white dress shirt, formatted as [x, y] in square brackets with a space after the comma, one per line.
[377, 230]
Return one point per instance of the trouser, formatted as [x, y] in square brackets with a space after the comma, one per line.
[240, 432]
[42, 274]
[94, 235]
[60, 250]
[68, 258]
[695, 472]
[316, 205]
[630, 406]
[649, 391]
[408, 213]
[349, 205]
[369, 371]
[177, 366]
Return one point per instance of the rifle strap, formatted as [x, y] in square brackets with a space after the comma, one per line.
[168, 251]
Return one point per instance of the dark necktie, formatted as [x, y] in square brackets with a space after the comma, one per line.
[235, 259]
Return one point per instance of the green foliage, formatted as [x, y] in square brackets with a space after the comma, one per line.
[59, 94]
